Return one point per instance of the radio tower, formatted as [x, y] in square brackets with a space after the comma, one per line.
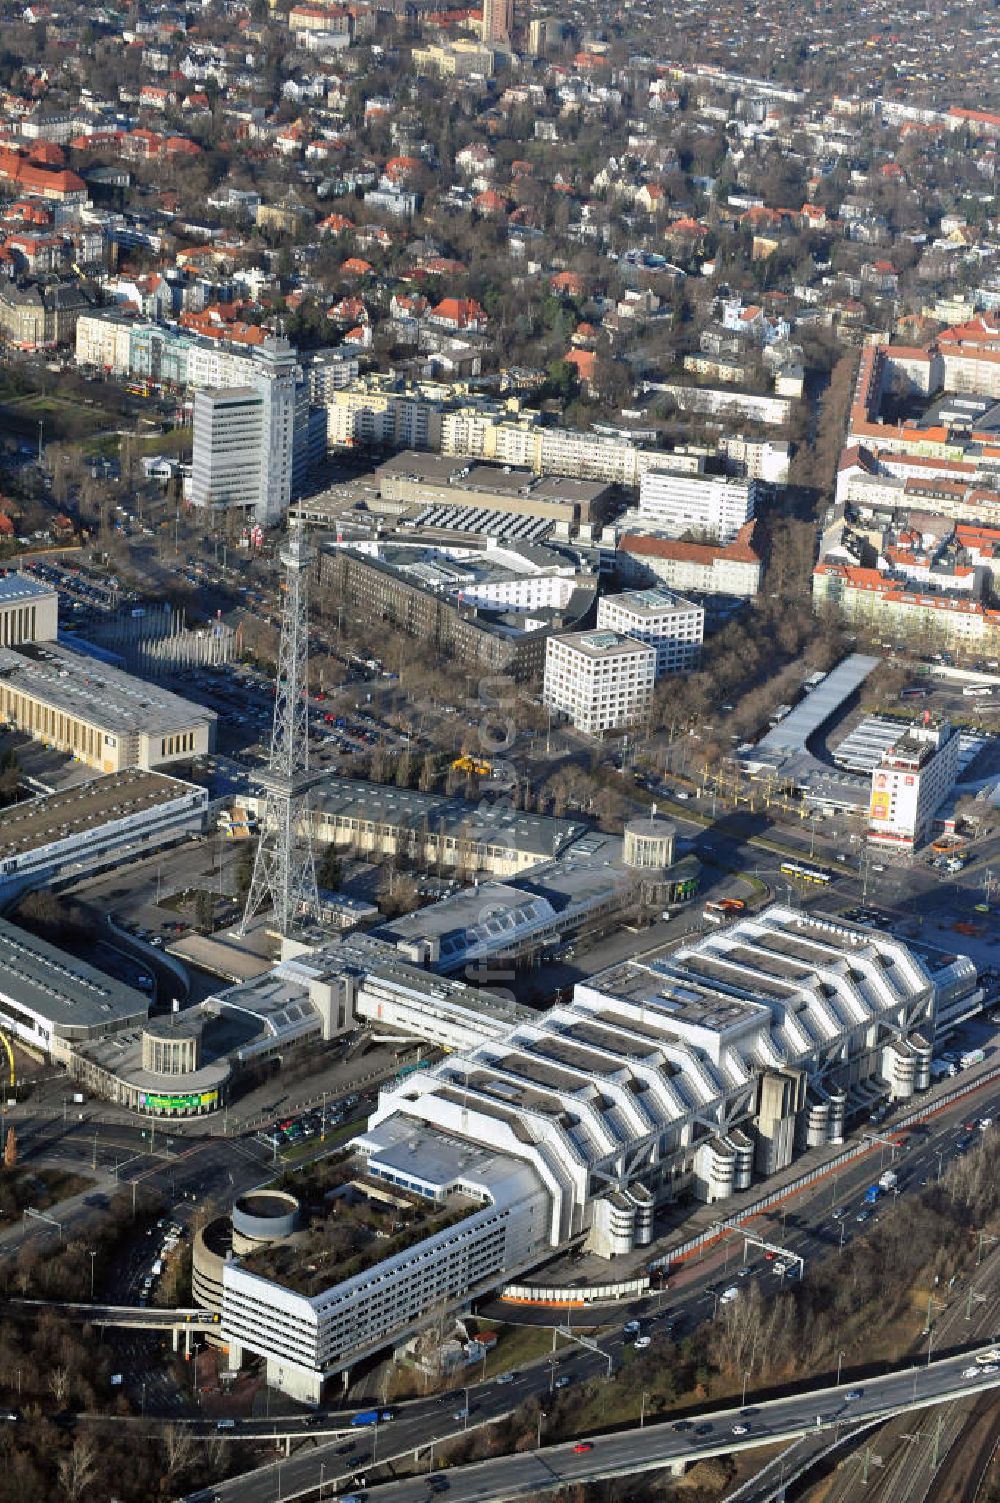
[283, 869]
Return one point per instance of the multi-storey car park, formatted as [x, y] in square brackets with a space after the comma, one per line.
[691, 1072]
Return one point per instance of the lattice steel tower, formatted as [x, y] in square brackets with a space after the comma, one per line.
[284, 869]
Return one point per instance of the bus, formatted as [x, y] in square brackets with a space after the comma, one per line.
[914, 693]
[974, 691]
[803, 873]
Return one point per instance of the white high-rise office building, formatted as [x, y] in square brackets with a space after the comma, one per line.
[228, 440]
[709, 506]
[244, 437]
[671, 625]
[602, 680]
[275, 378]
[910, 784]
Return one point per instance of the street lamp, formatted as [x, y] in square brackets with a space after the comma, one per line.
[743, 1400]
[92, 1256]
[322, 1479]
[642, 1409]
[840, 1358]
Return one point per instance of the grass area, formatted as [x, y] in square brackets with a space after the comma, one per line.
[102, 446]
[62, 419]
[39, 1188]
[516, 1346]
[177, 441]
[313, 1148]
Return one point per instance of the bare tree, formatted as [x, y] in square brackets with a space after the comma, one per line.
[78, 1469]
[178, 1447]
[59, 1384]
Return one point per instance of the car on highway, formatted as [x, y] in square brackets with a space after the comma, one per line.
[460, 1415]
[862, 1217]
[505, 1378]
[641, 1342]
[989, 1368]
[684, 1425]
[972, 1372]
[854, 1393]
[741, 1429]
[437, 1483]
[563, 1382]
[728, 1295]
[582, 1446]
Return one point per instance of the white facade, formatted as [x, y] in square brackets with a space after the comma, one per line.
[910, 784]
[734, 570]
[149, 811]
[673, 626]
[716, 506]
[689, 1072]
[275, 377]
[304, 1338]
[757, 459]
[602, 680]
[244, 440]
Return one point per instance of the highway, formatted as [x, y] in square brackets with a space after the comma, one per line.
[622, 1453]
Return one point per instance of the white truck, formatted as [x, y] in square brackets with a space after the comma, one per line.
[889, 1180]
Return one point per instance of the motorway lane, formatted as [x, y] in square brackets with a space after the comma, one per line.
[619, 1454]
[907, 1446]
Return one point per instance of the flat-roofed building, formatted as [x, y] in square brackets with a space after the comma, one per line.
[66, 836]
[912, 780]
[53, 1002]
[715, 506]
[495, 608]
[435, 831]
[672, 625]
[29, 610]
[686, 1073]
[602, 680]
[228, 440]
[436, 481]
[102, 716]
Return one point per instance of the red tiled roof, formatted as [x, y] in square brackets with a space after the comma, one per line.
[740, 550]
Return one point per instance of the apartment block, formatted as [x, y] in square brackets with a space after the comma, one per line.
[734, 570]
[716, 506]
